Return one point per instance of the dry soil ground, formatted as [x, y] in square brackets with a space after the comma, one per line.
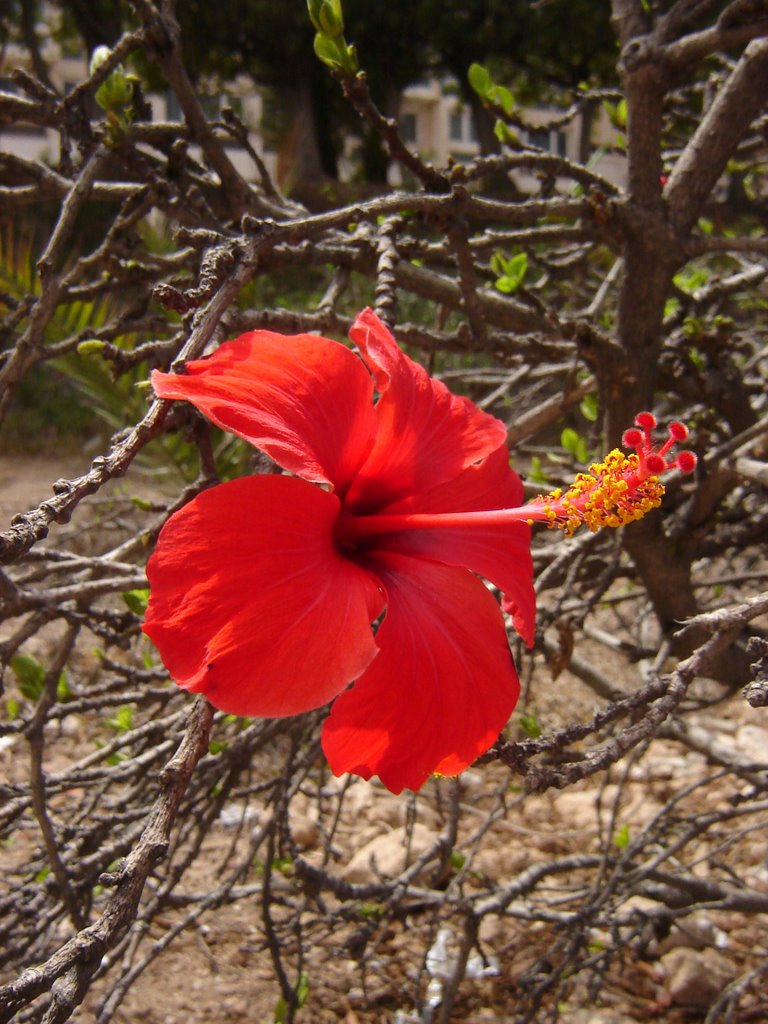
[219, 972]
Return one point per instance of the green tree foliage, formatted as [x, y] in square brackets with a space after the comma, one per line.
[539, 47]
[560, 43]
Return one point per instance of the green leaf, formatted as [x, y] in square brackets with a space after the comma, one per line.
[697, 358]
[479, 79]
[690, 280]
[569, 439]
[530, 726]
[302, 994]
[136, 600]
[621, 837]
[336, 54]
[722, 323]
[327, 50]
[500, 94]
[13, 708]
[505, 134]
[123, 719]
[514, 270]
[371, 909]
[116, 93]
[589, 408]
[518, 265]
[457, 859]
[302, 989]
[537, 474]
[30, 674]
[63, 691]
[281, 1011]
[90, 348]
[284, 865]
[327, 17]
[498, 264]
[693, 326]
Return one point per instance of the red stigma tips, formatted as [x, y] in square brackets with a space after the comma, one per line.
[622, 488]
[653, 460]
[686, 462]
[632, 438]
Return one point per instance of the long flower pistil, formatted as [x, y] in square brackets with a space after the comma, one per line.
[619, 490]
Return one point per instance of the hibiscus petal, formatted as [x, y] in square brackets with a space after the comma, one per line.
[252, 605]
[489, 484]
[426, 435]
[442, 687]
[501, 553]
[304, 400]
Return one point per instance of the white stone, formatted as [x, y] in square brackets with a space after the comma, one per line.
[694, 932]
[305, 830]
[390, 853]
[752, 743]
[696, 977]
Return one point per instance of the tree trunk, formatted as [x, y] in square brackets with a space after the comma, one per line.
[299, 159]
[652, 250]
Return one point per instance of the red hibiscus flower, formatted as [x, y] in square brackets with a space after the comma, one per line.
[263, 590]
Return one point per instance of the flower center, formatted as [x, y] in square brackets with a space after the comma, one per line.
[619, 490]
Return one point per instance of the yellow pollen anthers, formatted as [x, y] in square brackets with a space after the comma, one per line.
[612, 493]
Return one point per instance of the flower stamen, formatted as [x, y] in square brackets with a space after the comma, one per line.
[622, 488]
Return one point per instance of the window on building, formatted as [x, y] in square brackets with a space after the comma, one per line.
[172, 108]
[549, 141]
[211, 105]
[540, 139]
[408, 127]
[461, 126]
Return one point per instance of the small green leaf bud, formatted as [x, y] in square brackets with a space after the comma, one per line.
[91, 347]
[98, 57]
[327, 17]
